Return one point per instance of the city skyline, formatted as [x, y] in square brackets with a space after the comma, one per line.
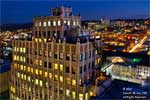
[94, 10]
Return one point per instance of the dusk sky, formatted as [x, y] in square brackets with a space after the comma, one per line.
[23, 11]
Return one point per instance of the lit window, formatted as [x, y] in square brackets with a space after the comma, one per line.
[24, 50]
[29, 78]
[68, 92]
[46, 74]
[80, 96]
[36, 62]
[54, 23]
[61, 78]
[31, 70]
[21, 66]
[24, 77]
[49, 23]
[20, 49]
[40, 39]
[50, 75]
[56, 66]
[61, 67]
[40, 72]
[17, 58]
[73, 82]
[40, 83]
[59, 23]
[24, 59]
[24, 68]
[67, 80]
[44, 24]
[68, 23]
[12, 89]
[40, 24]
[36, 71]
[21, 58]
[74, 23]
[56, 77]
[15, 49]
[36, 81]
[73, 95]
[29, 88]
[86, 96]
[18, 74]
[36, 39]
[65, 22]
[44, 40]
[14, 57]
[28, 69]
[40, 62]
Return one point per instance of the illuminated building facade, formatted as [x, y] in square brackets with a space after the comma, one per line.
[58, 63]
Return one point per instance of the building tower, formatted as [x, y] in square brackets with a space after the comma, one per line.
[58, 63]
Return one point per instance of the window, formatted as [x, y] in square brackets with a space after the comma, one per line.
[39, 23]
[28, 69]
[24, 77]
[49, 23]
[67, 92]
[50, 54]
[56, 77]
[80, 96]
[73, 70]
[54, 23]
[61, 67]
[29, 78]
[18, 74]
[84, 68]
[41, 83]
[55, 66]
[73, 82]
[31, 70]
[49, 65]
[45, 64]
[61, 90]
[81, 57]
[68, 23]
[65, 22]
[20, 49]
[73, 57]
[61, 78]
[36, 81]
[46, 74]
[36, 72]
[44, 24]
[73, 95]
[67, 69]
[68, 57]
[40, 72]
[40, 62]
[55, 55]
[21, 67]
[61, 56]
[67, 81]
[50, 75]
[80, 69]
[74, 23]
[59, 23]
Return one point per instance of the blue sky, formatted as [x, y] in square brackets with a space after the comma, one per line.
[22, 11]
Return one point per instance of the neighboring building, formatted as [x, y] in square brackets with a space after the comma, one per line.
[131, 72]
[4, 79]
[58, 63]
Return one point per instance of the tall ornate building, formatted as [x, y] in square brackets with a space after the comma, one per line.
[58, 63]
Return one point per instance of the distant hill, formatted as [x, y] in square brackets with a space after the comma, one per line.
[12, 27]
